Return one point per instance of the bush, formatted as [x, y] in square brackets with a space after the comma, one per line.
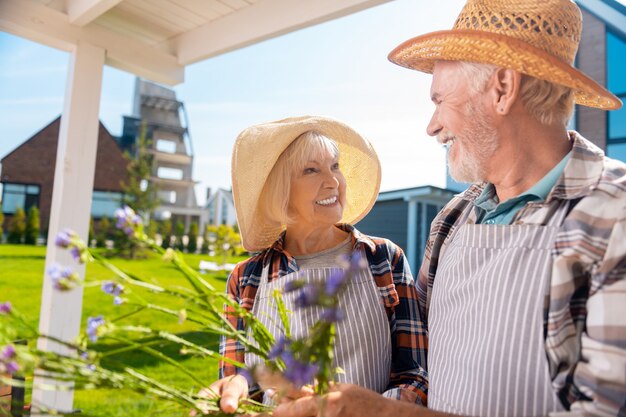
[179, 232]
[1, 223]
[103, 233]
[166, 234]
[17, 227]
[31, 231]
[192, 236]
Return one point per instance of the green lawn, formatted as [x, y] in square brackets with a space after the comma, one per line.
[21, 274]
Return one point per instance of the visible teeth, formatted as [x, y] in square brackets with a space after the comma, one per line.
[326, 202]
[448, 143]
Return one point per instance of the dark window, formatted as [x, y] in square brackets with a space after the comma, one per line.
[16, 196]
[104, 203]
[616, 74]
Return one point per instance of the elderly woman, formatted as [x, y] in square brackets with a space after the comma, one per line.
[298, 186]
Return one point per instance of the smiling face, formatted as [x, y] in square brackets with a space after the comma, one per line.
[318, 191]
[461, 123]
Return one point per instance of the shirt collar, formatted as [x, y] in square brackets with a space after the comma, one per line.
[357, 238]
[581, 173]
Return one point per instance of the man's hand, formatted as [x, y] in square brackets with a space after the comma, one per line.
[231, 390]
[346, 401]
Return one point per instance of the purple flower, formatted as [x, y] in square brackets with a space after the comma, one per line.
[309, 296]
[8, 353]
[118, 300]
[299, 373]
[246, 374]
[335, 282]
[357, 261]
[11, 367]
[128, 220]
[333, 315]
[93, 323]
[63, 279]
[112, 288]
[65, 238]
[76, 252]
[278, 348]
[293, 285]
[5, 308]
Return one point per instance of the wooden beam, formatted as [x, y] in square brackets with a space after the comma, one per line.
[263, 20]
[51, 27]
[60, 314]
[83, 12]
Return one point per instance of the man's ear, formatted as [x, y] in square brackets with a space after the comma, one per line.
[505, 85]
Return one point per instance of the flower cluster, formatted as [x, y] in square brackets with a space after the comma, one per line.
[8, 365]
[69, 239]
[129, 221]
[5, 308]
[95, 327]
[114, 289]
[63, 278]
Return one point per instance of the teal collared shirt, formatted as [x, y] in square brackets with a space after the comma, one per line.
[490, 211]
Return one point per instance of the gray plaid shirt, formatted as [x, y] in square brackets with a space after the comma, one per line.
[585, 310]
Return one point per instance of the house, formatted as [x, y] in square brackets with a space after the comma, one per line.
[27, 175]
[220, 208]
[404, 216]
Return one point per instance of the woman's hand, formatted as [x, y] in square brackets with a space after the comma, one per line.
[230, 390]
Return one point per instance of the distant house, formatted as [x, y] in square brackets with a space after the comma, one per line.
[28, 175]
[220, 208]
[404, 216]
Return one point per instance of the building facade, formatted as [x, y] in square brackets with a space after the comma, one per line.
[157, 115]
[28, 175]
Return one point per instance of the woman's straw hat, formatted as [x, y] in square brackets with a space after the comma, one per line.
[535, 37]
[256, 151]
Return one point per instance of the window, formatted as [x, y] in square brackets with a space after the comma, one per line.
[16, 196]
[170, 173]
[167, 146]
[104, 203]
[616, 62]
[168, 197]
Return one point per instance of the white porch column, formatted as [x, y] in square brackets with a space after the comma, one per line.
[71, 204]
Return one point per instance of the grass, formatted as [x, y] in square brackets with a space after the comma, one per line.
[21, 275]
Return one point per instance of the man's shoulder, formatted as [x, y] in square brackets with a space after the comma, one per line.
[613, 178]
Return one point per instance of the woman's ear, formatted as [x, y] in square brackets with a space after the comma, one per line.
[506, 88]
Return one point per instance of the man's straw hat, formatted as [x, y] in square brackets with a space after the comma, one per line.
[256, 151]
[535, 37]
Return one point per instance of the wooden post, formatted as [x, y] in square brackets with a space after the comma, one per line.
[71, 208]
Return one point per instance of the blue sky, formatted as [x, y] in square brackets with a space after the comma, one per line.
[338, 69]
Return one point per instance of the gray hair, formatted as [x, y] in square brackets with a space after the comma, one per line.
[547, 102]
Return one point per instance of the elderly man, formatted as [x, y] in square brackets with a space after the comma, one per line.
[523, 284]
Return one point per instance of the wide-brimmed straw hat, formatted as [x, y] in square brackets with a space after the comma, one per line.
[256, 151]
[535, 37]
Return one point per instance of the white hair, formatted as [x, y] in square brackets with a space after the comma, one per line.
[547, 102]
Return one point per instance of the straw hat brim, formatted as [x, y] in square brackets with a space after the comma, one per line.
[256, 151]
[421, 53]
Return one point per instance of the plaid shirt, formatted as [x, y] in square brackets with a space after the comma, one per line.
[408, 378]
[585, 310]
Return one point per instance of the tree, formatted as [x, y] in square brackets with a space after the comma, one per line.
[139, 192]
[166, 234]
[32, 229]
[192, 237]
[17, 226]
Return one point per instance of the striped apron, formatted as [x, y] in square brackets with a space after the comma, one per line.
[363, 340]
[486, 344]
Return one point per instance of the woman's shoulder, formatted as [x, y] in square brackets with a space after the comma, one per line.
[376, 245]
[251, 267]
